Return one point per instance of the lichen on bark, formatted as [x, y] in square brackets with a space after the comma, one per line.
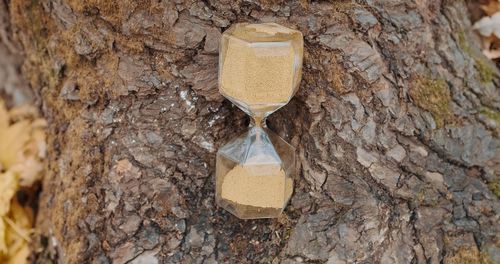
[433, 96]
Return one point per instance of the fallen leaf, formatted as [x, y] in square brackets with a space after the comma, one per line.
[18, 230]
[28, 171]
[492, 54]
[3, 243]
[22, 112]
[38, 141]
[489, 25]
[8, 188]
[16, 236]
[4, 116]
[20, 256]
[12, 141]
[23, 216]
[22, 147]
[491, 8]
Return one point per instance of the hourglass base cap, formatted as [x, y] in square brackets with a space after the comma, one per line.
[248, 212]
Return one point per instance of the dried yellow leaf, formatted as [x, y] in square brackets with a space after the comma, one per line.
[4, 116]
[22, 146]
[15, 236]
[39, 140]
[12, 141]
[8, 187]
[18, 230]
[23, 216]
[3, 242]
[20, 256]
[491, 8]
[28, 170]
[36, 147]
[23, 112]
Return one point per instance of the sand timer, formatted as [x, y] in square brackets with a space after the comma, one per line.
[260, 69]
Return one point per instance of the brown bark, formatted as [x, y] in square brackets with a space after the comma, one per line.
[13, 88]
[395, 124]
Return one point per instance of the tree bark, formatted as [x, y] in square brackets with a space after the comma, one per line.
[13, 87]
[395, 125]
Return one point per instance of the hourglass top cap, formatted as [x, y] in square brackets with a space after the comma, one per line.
[260, 66]
[263, 32]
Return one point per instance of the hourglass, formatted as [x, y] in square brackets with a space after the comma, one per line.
[260, 68]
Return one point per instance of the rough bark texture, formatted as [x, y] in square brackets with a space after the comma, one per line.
[13, 88]
[396, 127]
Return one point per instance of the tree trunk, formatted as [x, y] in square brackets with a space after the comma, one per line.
[12, 85]
[395, 124]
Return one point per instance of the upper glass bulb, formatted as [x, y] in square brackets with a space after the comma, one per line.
[260, 66]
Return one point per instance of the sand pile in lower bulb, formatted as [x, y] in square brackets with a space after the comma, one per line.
[260, 186]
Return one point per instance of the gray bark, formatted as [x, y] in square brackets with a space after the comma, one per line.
[395, 124]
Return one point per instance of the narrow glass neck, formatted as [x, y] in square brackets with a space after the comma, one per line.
[258, 121]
